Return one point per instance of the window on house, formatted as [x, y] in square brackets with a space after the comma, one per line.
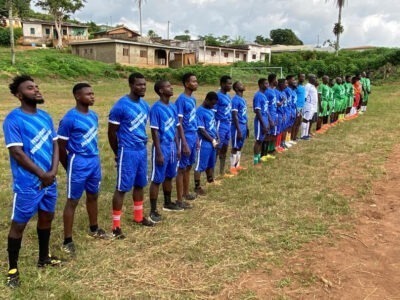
[32, 31]
[125, 51]
[48, 31]
[237, 55]
[143, 53]
[254, 56]
[226, 54]
[213, 53]
[64, 31]
[77, 51]
[86, 51]
[91, 50]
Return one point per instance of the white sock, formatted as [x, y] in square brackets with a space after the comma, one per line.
[238, 155]
[365, 108]
[233, 160]
[304, 129]
[308, 129]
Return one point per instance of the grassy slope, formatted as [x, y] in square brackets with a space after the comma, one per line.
[245, 223]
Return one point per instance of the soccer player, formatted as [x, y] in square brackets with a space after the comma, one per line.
[272, 137]
[282, 104]
[32, 144]
[208, 140]
[79, 155]
[291, 111]
[223, 116]
[366, 87]
[128, 138]
[186, 106]
[310, 106]
[261, 119]
[349, 94]
[301, 98]
[323, 100]
[165, 150]
[357, 95]
[240, 129]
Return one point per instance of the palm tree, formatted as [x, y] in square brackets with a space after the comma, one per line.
[338, 28]
[140, 3]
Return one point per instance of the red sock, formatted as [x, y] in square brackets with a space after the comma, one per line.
[116, 215]
[138, 211]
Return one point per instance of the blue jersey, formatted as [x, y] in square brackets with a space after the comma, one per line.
[281, 98]
[80, 130]
[186, 107]
[164, 118]
[223, 108]
[35, 134]
[239, 104]
[206, 120]
[271, 97]
[131, 116]
[301, 96]
[260, 102]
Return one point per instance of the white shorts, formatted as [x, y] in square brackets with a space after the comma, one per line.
[308, 114]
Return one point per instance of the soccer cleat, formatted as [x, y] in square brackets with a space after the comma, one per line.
[199, 191]
[305, 138]
[270, 156]
[155, 217]
[145, 222]
[240, 168]
[264, 158]
[172, 207]
[183, 204]
[52, 261]
[99, 234]
[279, 149]
[233, 171]
[13, 279]
[190, 197]
[69, 248]
[117, 234]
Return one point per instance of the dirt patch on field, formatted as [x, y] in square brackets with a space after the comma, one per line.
[361, 263]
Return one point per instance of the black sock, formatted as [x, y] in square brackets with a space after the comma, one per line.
[67, 240]
[153, 205]
[13, 252]
[94, 228]
[209, 179]
[167, 198]
[44, 238]
[197, 184]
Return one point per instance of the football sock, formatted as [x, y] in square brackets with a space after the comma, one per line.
[304, 130]
[116, 216]
[256, 158]
[238, 155]
[197, 184]
[233, 159]
[153, 205]
[67, 240]
[43, 238]
[221, 165]
[13, 252]
[138, 210]
[288, 137]
[94, 228]
[167, 198]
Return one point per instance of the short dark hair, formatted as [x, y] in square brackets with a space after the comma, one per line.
[17, 80]
[289, 77]
[211, 96]
[159, 85]
[235, 85]
[261, 81]
[134, 76]
[77, 87]
[348, 76]
[186, 77]
[224, 79]
[281, 80]
[271, 77]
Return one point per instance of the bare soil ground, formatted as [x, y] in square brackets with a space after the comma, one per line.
[362, 262]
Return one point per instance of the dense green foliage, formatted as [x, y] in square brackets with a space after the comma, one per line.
[284, 37]
[61, 64]
[5, 35]
[21, 8]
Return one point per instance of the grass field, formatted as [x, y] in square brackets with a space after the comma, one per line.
[248, 222]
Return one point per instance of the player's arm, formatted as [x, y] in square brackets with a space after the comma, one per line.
[62, 149]
[55, 159]
[177, 134]
[157, 146]
[320, 100]
[112, 137]
[235, 120]
[185, 147]
[17, 153]
[261, 120]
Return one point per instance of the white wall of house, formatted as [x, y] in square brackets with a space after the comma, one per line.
[32, 30]
[216, 55]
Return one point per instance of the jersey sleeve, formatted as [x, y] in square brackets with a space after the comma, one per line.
[154, 118]
[256, 102]
[53, 130]
[180, 106]
[64, 128]
[235, 104]
[12, 133]
[175, 110]
[200, 120]
[115, 115]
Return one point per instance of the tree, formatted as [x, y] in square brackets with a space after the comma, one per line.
[211, 40]
[284, 37]
[338, 28]
[60, 9]
[152, 34]
[20, 8]
[140, 3]
[182, 37]
[263, 40]
[239, 40]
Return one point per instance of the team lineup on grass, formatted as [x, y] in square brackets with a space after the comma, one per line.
[183, 136]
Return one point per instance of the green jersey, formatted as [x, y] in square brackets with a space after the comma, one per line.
[325, 92]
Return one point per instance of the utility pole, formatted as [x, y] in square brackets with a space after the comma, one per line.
[168, 30]
[11, 23]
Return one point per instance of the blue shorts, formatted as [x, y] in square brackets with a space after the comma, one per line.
[169, 168]
[236, 143]
[206, 156]
[258, 133]
[25, 206]
[224, 133]
[273, 130]
[186, 161]
[131, 168]
[83, 174]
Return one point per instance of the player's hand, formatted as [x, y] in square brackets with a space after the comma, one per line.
[239, 135]
[265, 130]
[215, 143]
[178, 155]
[159, 159]
[271, 124]
[47, 178]
[186, 149]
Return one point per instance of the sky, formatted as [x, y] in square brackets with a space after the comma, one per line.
[366, 22]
